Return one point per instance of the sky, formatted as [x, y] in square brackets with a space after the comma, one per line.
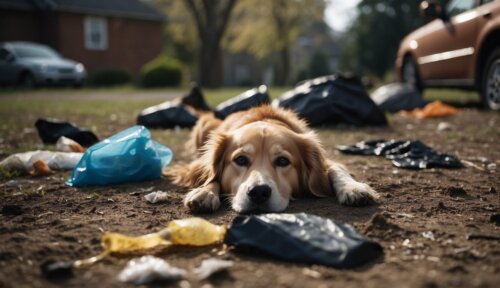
[339, 13]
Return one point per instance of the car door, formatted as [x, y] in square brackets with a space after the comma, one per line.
[9, 71]
[447, 50]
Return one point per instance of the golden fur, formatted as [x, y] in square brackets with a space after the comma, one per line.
[262, 147]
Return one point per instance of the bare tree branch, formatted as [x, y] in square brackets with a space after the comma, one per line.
[226, 12]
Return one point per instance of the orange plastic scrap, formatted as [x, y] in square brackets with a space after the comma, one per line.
[433, 110]
[77, 148]
[40, 168]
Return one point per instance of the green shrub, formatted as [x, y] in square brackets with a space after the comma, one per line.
[109, 77]
[161, 72]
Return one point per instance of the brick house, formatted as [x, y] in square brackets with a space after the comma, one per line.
[102, 34]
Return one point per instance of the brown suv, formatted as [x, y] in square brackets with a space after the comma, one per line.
[459, 49]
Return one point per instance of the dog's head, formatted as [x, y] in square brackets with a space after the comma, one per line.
[260, 166]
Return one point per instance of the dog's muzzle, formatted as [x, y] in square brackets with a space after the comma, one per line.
[259, 194]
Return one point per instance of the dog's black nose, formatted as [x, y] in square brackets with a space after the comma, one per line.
[259, 194]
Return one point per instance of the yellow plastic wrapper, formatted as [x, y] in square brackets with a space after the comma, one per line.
[195, 232]
[191, 231]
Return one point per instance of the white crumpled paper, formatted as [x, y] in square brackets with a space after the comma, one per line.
[147, 269]
[157, 197]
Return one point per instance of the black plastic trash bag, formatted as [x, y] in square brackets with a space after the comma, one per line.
[251, 98]
[397, 96]
[333, 99]
[303, 238]
[171, 114]
[51, 130]
[404, 154]
[167, 115]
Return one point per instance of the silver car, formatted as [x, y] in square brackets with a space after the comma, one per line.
[32, 64]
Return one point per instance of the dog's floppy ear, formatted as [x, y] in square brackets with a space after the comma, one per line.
[315, 177]
[206, 168]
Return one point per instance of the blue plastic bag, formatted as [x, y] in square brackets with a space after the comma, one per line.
[127, 156]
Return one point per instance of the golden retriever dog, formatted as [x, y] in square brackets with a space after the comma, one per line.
[261, 159]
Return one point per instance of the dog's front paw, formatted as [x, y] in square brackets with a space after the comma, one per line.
[202, 200]
[356, 194]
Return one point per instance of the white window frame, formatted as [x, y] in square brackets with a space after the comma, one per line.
[95, 25]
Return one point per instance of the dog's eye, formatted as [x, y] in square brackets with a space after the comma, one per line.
[281, 161]
[241, 161]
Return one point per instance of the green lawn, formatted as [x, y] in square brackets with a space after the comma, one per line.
[107, 116]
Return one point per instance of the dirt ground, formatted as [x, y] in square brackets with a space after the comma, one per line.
[44, 219]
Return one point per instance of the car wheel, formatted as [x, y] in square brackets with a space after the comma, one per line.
[490, 95]
[28, 81]
[409, 73]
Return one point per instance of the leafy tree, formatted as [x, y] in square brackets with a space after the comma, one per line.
[263, 28]
[370, 44]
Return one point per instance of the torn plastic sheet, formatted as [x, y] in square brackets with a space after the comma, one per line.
[333, 99]
[54, 160]
[251, 98]
[51, 130]
[147, 269]
[128, 156]
[303, 238]
[397, 96]
[404, 154]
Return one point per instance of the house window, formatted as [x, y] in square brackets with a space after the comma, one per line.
[96, 33]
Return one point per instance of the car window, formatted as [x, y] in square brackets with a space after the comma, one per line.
[35, 51]
[3, 54]
[456, 7]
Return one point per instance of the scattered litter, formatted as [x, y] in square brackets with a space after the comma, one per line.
[303, 238]
[51, 130]
[65, 144]
[404, 154]
[444, 126]
[397, 96]
[406, 243]
[128, 156]
[312, 239]
[432, 110]
[40, 168]
[491, 166]
[57, 270]
[429, 235]
[147, 269]
[211, 266]
[54, 160]
[157, 197]
[191, 231]
[245, 101]
[12, 183]
[332, 99]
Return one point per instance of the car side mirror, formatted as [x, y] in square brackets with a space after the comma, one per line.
[431, 9]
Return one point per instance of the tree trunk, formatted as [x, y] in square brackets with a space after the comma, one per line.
[211, 18]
